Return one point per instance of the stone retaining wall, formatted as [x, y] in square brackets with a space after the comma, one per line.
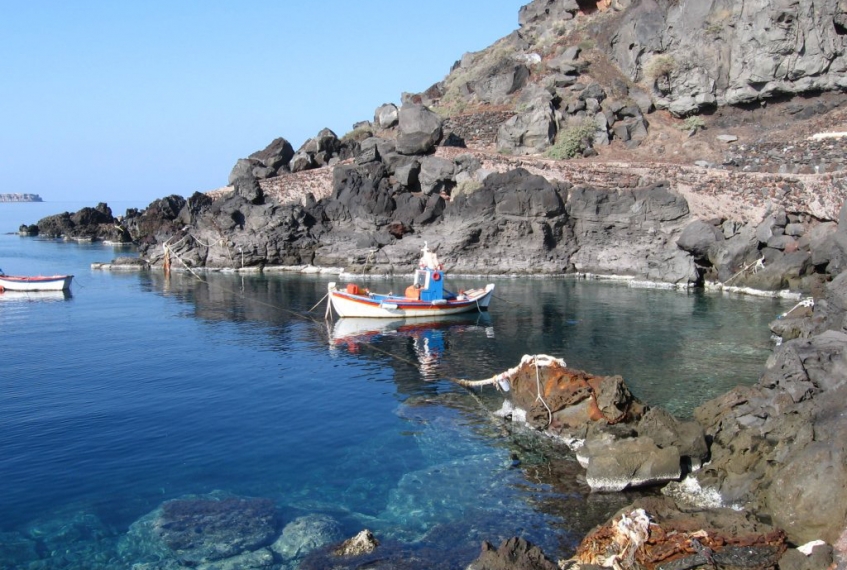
[803, 157]
[477, 129]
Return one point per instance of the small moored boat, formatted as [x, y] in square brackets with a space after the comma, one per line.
[35, 282]
[425, 297]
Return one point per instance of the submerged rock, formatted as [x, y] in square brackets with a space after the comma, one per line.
[18, 550]
[199, 529]
[305, 534]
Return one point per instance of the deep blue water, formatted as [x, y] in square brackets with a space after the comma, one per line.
[137, 389]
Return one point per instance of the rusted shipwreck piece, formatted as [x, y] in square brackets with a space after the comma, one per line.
[619, 440]
[653, 534]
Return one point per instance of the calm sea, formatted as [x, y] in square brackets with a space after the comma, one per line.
[136, 389]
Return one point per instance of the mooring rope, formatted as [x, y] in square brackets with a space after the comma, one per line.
[539, 396]
[759, 263]
[297, 314]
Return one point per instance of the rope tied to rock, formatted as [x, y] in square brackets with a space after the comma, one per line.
[539, 397]
[808, 303]
[756, 265]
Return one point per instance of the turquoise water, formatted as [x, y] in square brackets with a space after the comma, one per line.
[138, 389]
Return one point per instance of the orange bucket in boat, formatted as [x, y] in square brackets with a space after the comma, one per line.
[352, 288]
[413, 292]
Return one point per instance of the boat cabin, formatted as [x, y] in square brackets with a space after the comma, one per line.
[428, 279]
[427, 285]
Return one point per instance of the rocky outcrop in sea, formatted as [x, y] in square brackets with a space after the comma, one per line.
[20, 198]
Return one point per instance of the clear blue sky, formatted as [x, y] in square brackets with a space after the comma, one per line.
[112, 100]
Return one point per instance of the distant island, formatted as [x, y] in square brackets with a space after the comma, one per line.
[20, 198]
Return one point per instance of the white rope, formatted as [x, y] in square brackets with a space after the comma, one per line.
[209, 245]
[808, 302]
[538, 392]
[183, 263]
[758, 264]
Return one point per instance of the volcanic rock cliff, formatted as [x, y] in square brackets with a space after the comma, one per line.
[660, 140]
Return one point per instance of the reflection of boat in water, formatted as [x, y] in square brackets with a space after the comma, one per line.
[23, 296]
[426, 296]
[430, 335]
[364, 329]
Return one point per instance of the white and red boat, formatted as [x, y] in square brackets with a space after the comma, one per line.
[425, 297]
[35, 282]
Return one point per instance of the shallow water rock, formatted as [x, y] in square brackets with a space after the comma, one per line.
[199, 529]
[305, 534]
[18, 551]
[205, 529]
[363, 543]
[616, 464]
[441, 493]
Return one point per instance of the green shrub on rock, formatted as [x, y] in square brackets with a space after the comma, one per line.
[468, 186]
[572, 140]
[692, 123]
[359, 134]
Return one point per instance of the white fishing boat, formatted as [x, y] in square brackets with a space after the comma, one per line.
[35, 282]
[425, 297]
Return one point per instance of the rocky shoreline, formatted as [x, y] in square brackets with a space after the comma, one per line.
[692, 161]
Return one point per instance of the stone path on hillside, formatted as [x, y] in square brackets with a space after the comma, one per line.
[788, 168]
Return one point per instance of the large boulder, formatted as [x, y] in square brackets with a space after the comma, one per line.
[243, 167]
[277, 154]
[420, 130]
[730, 257]
[531, 132]
[620, 442]
[386, 116]
[614, 464]
[436, 174]
[500, 80]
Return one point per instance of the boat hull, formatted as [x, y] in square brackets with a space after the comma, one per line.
[350, 305]
[37, 283]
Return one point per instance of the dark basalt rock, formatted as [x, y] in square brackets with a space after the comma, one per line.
[778, 447]
[512, 554]
[278, 153]
[419, 130]
[697, 238]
